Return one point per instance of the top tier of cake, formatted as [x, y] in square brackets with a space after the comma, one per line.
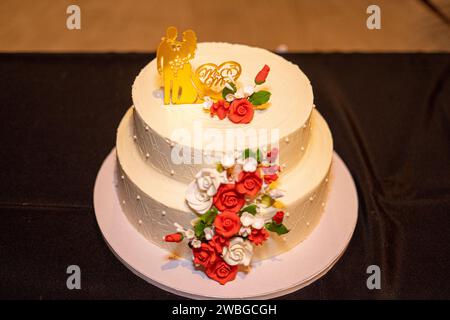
[289, 113]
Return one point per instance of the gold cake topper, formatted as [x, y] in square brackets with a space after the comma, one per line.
[181, 84]
[211, 78]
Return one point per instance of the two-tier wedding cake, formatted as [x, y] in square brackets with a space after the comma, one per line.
[223, 158]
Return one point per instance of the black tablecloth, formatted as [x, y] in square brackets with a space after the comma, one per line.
[390, 119]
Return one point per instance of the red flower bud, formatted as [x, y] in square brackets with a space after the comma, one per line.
[174, 237]
[262, 75]
[278, 217]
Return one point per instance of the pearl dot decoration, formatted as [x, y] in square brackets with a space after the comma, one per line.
[140, 221]
[307, 224]
[323, 204]
[135, 137]
[286, 140]
[138, 197]
[302, 148]
[147, 155]
[123, 202]
[122, 177]
[311, 198]
[147, 128]
[163, 213]
[172, 172]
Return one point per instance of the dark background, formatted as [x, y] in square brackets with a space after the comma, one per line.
[390, 119]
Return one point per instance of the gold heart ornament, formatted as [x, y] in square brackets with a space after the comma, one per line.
[210, 79]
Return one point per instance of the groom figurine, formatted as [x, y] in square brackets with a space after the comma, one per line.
[173, 64]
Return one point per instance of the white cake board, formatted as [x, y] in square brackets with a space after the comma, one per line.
[270, 278]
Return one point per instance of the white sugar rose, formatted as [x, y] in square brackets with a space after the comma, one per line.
[198, 199]
[208, 180]
[239, 251]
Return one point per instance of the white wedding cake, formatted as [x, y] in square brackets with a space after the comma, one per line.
[176, 176]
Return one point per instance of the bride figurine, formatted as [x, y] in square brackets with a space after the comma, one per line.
[173, 64]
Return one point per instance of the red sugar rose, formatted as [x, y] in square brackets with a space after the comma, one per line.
[227, 198]
[278, 217]
[174, 237]
[218, 243]
[221, 271]
[220, 108]
[269, 178]
[262, 75]
[227, 224]
[249, 183]
[258, 236]
[205, 255]
[241, 111]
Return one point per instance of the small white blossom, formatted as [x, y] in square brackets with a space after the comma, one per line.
[189, 234]
[229, 97]
[229, 86]
[245, 231]
[248, 90]
[196, 243]
[209, 233]
[250, 165]
[207, 103]
[239, 94]
[228, 161]
[276, 193]
[178, 226]
[255, 221]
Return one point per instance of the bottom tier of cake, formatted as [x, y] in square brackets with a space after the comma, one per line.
[153, 202]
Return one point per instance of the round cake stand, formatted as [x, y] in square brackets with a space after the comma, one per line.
[267, 279]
